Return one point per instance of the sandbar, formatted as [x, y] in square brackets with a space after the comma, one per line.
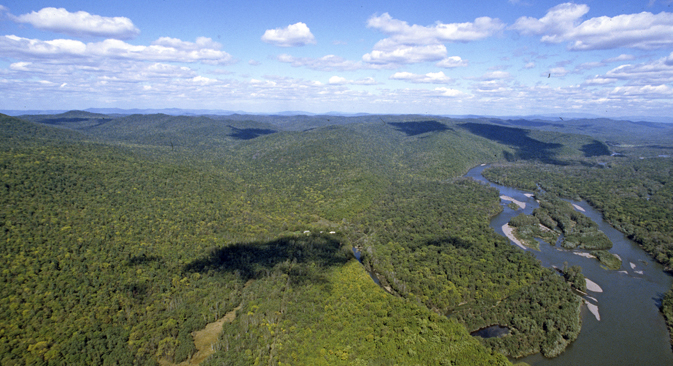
[544, 228]
[518, 203]
[638, 272]
[579, 208]
[624, 272]
[594, 310]
[633, 265]
[529, 195]
[585, 255]
[508, 233]
[593, 286]
[592, 298]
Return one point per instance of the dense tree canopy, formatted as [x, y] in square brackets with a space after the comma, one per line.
[121, 235]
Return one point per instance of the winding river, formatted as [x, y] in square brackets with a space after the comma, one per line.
[631, 330]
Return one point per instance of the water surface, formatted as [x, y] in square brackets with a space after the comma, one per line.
[631, 330]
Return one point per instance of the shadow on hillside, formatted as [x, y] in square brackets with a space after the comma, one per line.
[249, 133]
[595, 148]
[417, 128]
[75, 122]
[143, 259]
[527, 148]
[527, 123]
[303, 258]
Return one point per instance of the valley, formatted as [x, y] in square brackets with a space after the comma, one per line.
[122, 235]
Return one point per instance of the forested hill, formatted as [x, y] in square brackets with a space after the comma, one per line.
[14, 131]
[121, 235]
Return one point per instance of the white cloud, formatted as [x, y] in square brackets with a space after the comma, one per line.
[451, 62]
[164, 49]
[622, 57]
[401, 33]
[647, 91]
[529, 65]
[495, 75]
[338, 80]
[79, 24]
[429, 78]
[650, 73]
[448, 92]
[558, 20]
[562, 24]
[406, 55]
[415, 43]
[254, 63]
[293, 35]
[325, 63]
[200, 44]
[599, 81]
[20, 66]
[201, 80]
[556, 71]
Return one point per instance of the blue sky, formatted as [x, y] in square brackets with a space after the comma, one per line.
[500, 57]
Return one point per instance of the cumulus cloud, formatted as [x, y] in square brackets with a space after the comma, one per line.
[562, 24]
[406, 54]
[529, 65]
[109, 71]
[451, 62]
[558, 20]
[599, 81]
[325, 63]
[338, 80]
[79, 24]
[429, 78]
[649, 73]
[293, 35]
[645, 91]
[448, 92]
[401, 33]
[164, 49]
[415, 43]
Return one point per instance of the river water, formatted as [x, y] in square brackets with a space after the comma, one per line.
[631, 330]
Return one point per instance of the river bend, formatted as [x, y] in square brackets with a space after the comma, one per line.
[631, 329]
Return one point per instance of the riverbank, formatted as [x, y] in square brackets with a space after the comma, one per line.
[509, 233]
[627, 303]
[522, 205]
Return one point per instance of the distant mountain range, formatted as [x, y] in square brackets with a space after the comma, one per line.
[220, 112]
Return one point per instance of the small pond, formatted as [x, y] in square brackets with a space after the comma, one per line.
[493, 331]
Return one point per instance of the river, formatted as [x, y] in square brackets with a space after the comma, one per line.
[631, 329]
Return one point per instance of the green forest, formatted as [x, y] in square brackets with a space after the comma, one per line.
[123, 235]
[554, 218]
[634, 194]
